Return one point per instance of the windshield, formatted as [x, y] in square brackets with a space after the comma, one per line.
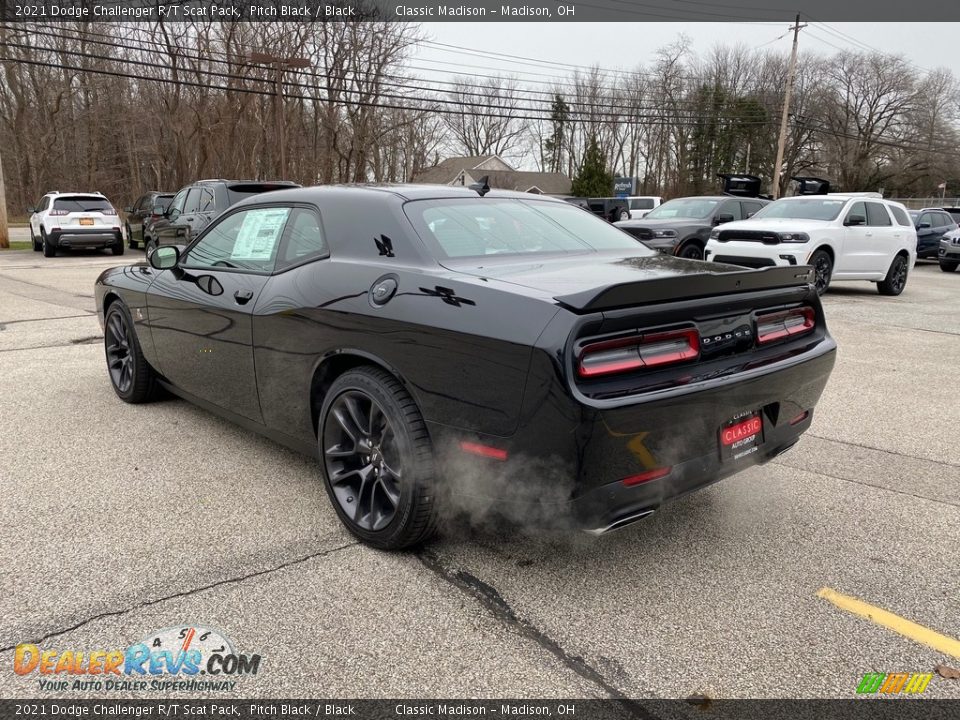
[684, 208]
[459, 228]
[81, 203]
[806, 209]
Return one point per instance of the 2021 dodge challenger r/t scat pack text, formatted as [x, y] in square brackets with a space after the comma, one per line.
[446, 349]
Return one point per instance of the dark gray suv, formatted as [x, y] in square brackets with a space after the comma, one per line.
[682, 226]
[194, 206]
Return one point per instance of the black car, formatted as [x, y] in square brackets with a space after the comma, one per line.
[931, 224]
[682, 226]
[195, 205]
[610, 209]
[148, 208]
[441, 350]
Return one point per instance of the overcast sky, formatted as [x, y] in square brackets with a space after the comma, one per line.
[624, 45]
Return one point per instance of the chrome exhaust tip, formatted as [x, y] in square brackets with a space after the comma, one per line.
[619, 523]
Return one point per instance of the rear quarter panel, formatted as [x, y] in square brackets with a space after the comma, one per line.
[462, 346]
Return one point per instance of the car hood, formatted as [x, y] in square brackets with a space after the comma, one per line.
[600, 281]
[775, 225]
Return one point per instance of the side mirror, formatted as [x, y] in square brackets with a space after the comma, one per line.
[164, 257]
[923, 226]
[853, 220]
[128, 210]
[31, 210]
[723, 218]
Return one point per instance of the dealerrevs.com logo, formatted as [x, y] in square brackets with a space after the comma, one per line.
[190, 658]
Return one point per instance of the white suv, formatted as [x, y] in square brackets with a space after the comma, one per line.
[75, 220]
[855, 236]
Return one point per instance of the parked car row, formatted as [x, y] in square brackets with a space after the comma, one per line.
[68, 221]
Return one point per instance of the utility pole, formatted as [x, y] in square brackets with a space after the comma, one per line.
[782, 142]
[4, 229]
[281, 64]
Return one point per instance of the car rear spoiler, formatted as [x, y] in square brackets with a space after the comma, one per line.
[684, 287]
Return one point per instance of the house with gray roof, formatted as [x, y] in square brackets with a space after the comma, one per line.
[470, 169]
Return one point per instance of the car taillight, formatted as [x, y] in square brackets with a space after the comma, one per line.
[59, 212]
[787, 323]
[608, 357]
[109, 211]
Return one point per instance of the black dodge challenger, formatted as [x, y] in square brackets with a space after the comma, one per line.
[443, 349]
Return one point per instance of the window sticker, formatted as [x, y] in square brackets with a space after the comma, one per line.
[259, 234]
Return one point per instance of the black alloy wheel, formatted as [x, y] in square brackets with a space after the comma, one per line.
[131, 376]
[376, 460]
[691, 251]
[822, 271]
[896, 279]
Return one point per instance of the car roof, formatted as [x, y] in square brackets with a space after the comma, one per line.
[77, 192]
[398, 191]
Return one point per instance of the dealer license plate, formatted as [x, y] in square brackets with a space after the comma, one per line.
[86, 221]
[741, 436]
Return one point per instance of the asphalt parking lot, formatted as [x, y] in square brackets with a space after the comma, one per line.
[119, 520]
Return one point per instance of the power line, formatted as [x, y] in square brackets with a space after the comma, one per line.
[609, 110]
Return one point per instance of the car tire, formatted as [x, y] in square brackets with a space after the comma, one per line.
[49, 250]
[149, 246]
[117, 248]
[130, 241]
[37, 245]
[896, 279]
[624, 215]
[691, 251]
[948, 265]
[132, 378]
[377, 460]
[822, 270]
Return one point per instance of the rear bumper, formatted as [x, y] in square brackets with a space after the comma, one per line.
[565, 466]
[72, 238]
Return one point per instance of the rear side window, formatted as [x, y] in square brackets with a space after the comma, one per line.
[751, 208]
[900, 215]
[80, 203]
[641, 204]
[945, 219]
[206, 202]
[303, 239]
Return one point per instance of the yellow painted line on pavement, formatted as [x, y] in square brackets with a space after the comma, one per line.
[917, 633]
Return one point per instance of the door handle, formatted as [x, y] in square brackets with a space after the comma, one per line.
[243, 296]
[189, 219]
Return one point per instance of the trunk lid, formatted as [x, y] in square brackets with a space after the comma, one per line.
[596, 282]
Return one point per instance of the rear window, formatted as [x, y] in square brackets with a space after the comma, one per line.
[81, 203]
[163, 201]
[240, 191]
[481, 227]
